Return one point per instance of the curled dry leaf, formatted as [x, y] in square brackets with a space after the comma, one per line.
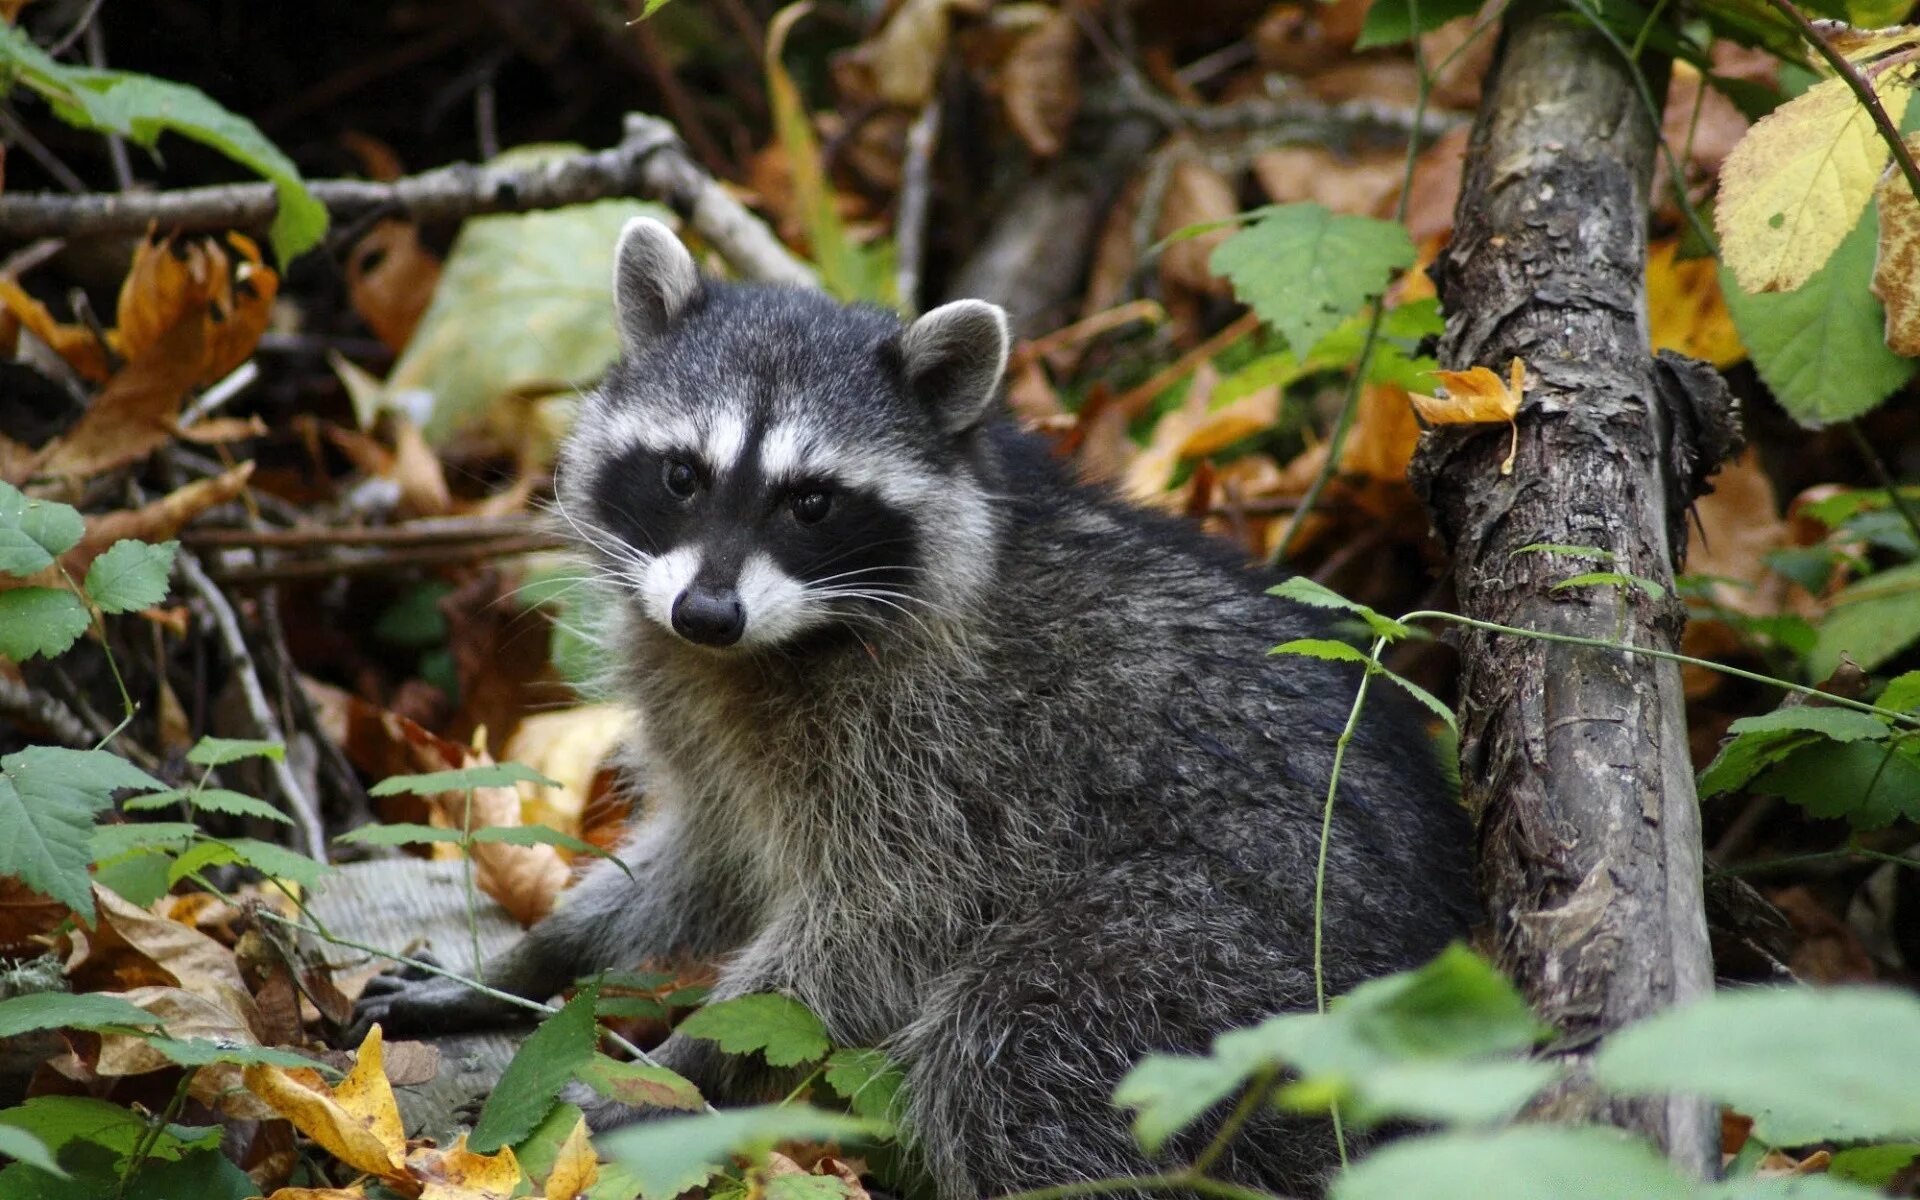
[76, 343]
[461, 1174]
[391, 277]
[1040, 83]
[131, 947]
[900, 63]
[1196, 194]
[300, 1193]
[189, 1015]
[1896, 270]
[570, 746]
[222, 286]
[575, 1169]
[356, 1122]
[1476, 397]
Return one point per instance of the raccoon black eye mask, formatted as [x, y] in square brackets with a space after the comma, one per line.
[985, 767]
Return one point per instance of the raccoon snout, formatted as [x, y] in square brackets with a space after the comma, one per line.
[709, 616]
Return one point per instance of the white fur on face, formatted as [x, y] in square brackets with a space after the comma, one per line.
[726, 438]
[667, 575]
[777, 605]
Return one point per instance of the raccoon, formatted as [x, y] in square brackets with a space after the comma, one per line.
[987, 768]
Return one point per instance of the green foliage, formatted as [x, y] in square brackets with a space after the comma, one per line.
[218, 752]
[641, 1085]
[39, 620]
[546, 1061]
[867, 1080]
[1833, 762]
[34, 532]
[217, 800]
[668, 1156]
[1305, 270]
[199, 1052]
[1527, 1162]
[94, 1140]
[1821, 348]
[432, 783]
[1613, 579]
[1808, 1065]
[65, 1010]
[140, 108]
[130, 576]
[48, 800]
[1870, 621]
[1393, 21]
[780, 1027]
[22, 1146]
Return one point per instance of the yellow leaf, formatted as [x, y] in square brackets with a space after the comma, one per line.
[1860, 45]
[577, 1167]
[300, 1193]
[460, 1174]
[1796, 184]
[357, 1122]
[1476, 397]
[1896, 271]
[1685, 309]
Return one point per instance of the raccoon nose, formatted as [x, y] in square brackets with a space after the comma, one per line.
[710, 616]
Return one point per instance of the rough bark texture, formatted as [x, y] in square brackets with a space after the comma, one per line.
[1575, 759]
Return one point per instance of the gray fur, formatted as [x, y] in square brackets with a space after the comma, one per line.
[1061, 813]
[653, 278]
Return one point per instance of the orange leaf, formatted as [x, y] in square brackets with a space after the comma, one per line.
[1476, 397]
[76, 343]
[357, 1122]
[1685, 311]
[460, 1174]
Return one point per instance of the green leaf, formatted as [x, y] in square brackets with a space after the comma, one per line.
[531, 1083]
[33, 532]
[1902, 693]
[638, 1084]
[1390, 22]
[64, 1010]
[1839, 724]
[199, 857]
[1786, 1187]
[1169, 1092]
[1869, 621]
[1304, 269]
[218, 752]
[1526, 1162]
[48, 799]
[109, 842]
[537, 1151]
[1869, 783]
[670, 1155]
[1822, 347]
[807, 1187]
[1613, 579]
[58, 1121]
[1562, 550]
[130, 576]
[22, 1146]
[780, 1027]
[38, 620]
[432, 783]
[539, 835]
[1746, 756]
[279, 862]
[867, 1080]
[1423, 696]
[1873, 1165]
[1325, 648]
[1302, 590]
[199, 1052]
[210, 799]
[399, 833]
[1808, 1064]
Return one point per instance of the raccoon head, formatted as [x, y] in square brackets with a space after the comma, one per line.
[765, 468]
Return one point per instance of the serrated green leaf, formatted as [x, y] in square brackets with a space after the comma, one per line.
[108, 842]
[530, 1085]
[1562, 550]
[780, 1027]
[218, 752]
[1423, 696]
[38, 620]
[1821, 348]
[538, 835]
[867, 1080]
[22, 1146]
[1807, 1064]
[1304, 269]
[59, 1120]
[670, 1155]
[1325, 648]
[130, 576]
[1611, 579]
[638, 1084]
[1390, 22]
[1902, 693]
[1871, 784]
[48, 799]
[34, 532]
[806, 1187]
[1839, 724]
[1786, 1187]
[1870, 621]
[1745, 757]
[200, 1052]
[1169, 1092]
[65, 1010]
[1527, 1162]
[237, 804]
[1302, 590]
[432, 783]
[399, 833]
[1873, 1165]
[199, 857]
[279, 862]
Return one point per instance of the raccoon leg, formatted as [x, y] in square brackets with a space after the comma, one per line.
[670, 898]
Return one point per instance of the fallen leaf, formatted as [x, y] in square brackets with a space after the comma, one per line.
[575, 1169]
[1685, 309]
[134, 414]
[300, 1193]
[571, 747]
[900, 63]
[75, 343]
[131, 947]
[1361, 183]
[1474, 397]
[1196, 194]
[1896, 269]
[391, 279]
[461, 1174]
[1040, 83]
[357, 1122]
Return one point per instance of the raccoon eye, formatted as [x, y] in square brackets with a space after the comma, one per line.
[680, 478]
[811, 507]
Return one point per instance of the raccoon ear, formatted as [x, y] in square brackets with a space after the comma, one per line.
[954, 357]
[653, 278]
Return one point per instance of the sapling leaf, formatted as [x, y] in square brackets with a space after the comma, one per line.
[130, 576]
[218, 752]
[49, 797]
[432, 783]
[780, 1027]
[33, 532]
[39, 620]
[547, 1060]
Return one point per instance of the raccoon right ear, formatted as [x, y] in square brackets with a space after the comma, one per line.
[954, 358]
[653, 278]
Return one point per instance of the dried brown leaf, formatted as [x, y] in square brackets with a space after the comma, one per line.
[391, 278]
[1040, 83]
[1896, 269]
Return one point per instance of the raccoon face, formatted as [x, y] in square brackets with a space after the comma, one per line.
[765, 467]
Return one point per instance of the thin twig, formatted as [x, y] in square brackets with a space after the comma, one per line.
[916, 201]
[215, 397]
[399, 558]
[1862, 90]
[22, 706]
[96, 39]
[305, 814]
[433, 531]
[1887, 481]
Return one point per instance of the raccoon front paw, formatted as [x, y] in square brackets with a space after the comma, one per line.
[603, 1114]
[411, 1007]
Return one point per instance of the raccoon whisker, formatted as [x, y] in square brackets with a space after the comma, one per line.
[814, 583]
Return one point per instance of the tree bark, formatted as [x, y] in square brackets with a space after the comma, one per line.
[1575, 759]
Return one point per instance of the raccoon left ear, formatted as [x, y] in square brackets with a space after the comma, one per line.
[954, 357]
[653, 278]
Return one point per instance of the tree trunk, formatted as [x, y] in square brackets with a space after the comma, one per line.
[1575, 759]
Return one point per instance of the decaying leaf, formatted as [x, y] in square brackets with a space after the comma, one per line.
[131, 947]
[1196, 194]
[461, 1174]
[357, 1122]
[1476, 397]
[1040, 85]
[1795, 186]
[391, 279]
[900, 64]
[1685, 310]
[1896, 268]
[575, 1169]
[76, 343]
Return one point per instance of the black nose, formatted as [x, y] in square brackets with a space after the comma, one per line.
[710, 616]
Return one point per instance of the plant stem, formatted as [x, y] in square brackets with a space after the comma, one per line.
[473, 897]
[100, 625]
[150, 1136]
[1258, 1089]
[1172, 1181]
[1862, 90]
[1885, 478]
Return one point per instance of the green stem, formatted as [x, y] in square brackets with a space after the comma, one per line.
[150, 1136]
[473, 895]
[1258, 1089]
[1794, 860]
[1898, 718]
[804, 1084]
[1172, 1181]
[1862, 91]
[100, 625]
[1885, 478]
